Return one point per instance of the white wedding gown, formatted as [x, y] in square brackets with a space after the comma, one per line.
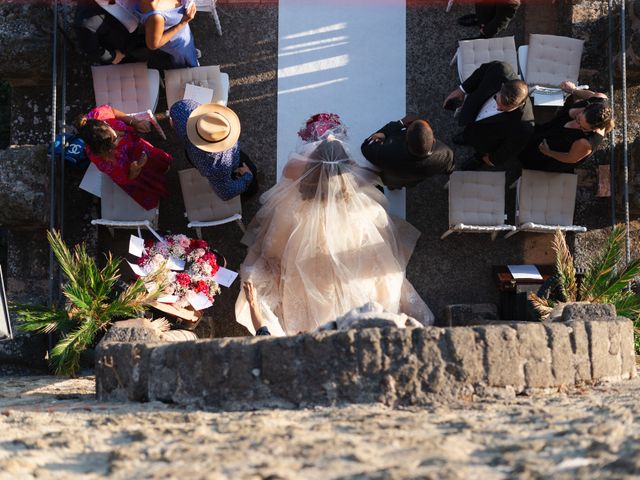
[323, 244]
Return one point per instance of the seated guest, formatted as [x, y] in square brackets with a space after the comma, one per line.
[168, 29]
[497, 115]
[210, 135]
[492, 16]
[570, 138]
[105, 39]
[406, 152]
[114, 146]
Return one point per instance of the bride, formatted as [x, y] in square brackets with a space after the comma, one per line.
[323, 243]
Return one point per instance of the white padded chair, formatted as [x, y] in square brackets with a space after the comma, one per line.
[210, 6]
[476, 203]
[204, 207]
[208, 76]
[545, 202]
[471, 54]
[119, 210]
[546, 62]
[131, 87]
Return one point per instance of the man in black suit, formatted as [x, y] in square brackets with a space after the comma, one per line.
[497, 114]
[406, 152]
[492, 16]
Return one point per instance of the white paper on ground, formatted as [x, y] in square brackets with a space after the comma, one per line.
[168, 299]
[225, 277]
[197, 93]
[92, 181]
[330, 62]
[175, 263]
[524, 271]
[136, 246]
[199, 301]
[137, 270]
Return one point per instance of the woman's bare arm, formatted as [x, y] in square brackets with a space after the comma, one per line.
[579, 150]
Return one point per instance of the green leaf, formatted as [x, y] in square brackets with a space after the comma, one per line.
[602, 267]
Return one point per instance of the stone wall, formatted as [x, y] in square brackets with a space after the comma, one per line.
[391, 366]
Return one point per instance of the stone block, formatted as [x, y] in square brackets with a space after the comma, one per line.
[464, 315]
[535, 354]
[627, 348]
[580, 346]
[24, 186]
[466, 349]
[503, 362]
[562, 363]
[137, 334]
[604, 366]
[587, 311]
[123, 371]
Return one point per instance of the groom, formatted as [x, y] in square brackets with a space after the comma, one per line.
[406, 152]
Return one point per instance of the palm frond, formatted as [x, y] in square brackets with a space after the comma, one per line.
[543, 306]
[63, 255]
[36, 318]
[619, 281]
[565, 269]
[65, 355]
[602, 266]
[627, 304]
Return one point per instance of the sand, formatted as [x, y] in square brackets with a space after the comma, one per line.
[54, 428]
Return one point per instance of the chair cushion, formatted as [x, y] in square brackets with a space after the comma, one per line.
[552, 59]
[117, 205]
[201, 202]
[125, 87]
[476, 198]
[547, 198]
[208, 76]
[473, 53]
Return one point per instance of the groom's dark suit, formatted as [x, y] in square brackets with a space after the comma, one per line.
[399, 167]
[504, 135]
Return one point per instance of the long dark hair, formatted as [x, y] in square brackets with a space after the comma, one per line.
[97, 136]
[598, 115]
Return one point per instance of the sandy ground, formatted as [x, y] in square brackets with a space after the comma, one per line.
[53, 428]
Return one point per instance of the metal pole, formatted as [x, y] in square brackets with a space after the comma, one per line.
[625, 152]
[63, 113]
[52, 166]
[612, 134]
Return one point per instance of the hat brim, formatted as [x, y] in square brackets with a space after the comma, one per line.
[222, 145]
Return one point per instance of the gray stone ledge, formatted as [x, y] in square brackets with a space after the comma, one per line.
[391, 366]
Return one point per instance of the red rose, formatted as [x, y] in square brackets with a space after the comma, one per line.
[202, 287]
[183, 279]
[149, 243]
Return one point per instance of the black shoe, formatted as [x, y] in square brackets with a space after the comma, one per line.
[458, 139]
[262, 331]
[469, 20]
[470, 165]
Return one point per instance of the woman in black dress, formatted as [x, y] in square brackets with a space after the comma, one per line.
[570, 138]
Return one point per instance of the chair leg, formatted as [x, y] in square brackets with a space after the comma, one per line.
[449, 5]
[494, 235]
[511, 233]
[446, 234]
[199, 232]
[216, 19]
[241, 225]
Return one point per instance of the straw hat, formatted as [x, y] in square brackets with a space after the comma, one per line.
[213, 128]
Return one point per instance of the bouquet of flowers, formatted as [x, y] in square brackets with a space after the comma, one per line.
[185, 267]
[322, 124]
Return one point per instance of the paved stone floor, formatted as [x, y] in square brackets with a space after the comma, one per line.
[54, 428]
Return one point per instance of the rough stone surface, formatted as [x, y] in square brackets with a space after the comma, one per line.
[585, 311]
[25, 42]
[127, 334]
[391, 366]
[463, 315]
[24, 186]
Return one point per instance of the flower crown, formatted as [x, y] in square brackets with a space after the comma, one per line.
[320, 125]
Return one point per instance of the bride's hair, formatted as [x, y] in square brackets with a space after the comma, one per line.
[329, 159]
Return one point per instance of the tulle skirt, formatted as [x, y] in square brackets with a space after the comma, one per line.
[314, 257]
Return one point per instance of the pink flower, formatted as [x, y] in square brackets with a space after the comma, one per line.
[183, 279]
